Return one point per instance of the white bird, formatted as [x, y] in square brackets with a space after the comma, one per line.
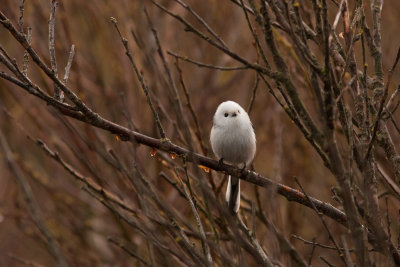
[233, 141]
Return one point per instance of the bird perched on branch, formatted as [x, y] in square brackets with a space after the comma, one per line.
[233, 141]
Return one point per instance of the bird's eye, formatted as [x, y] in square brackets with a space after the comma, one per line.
[226, 114]
[238, 111]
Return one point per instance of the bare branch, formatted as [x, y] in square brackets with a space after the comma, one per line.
[32, 204]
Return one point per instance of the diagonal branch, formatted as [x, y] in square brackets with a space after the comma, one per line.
[33, 206]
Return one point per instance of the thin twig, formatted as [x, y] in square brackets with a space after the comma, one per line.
[191, 109]
[128, 250]
[69, 64]
[255, 244]
[347, 252]
[312, 252]
[313, 243]
[204, 65]
[324, 224]
[388, 219]
[58, 94]
[283, 241]
[392, 97]
[326, 261]
[49, 72]
[398, 236]
[33, 206]
[21, 16]
[140, 77]
[177, 104]
[253, 94]
[26, 55]
[191, 28]
[381, 106]
[182, 120]
[190, 198]
[253, 32]
[202, 21]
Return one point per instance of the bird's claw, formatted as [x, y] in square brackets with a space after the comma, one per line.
[243, 171]
[220, 162]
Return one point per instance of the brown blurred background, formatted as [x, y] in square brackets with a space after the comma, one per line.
[102, 76]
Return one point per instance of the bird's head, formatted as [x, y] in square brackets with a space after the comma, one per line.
[230, 113]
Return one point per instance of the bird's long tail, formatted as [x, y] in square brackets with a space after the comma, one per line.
[233, 194]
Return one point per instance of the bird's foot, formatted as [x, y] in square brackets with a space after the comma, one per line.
[220, 162]
[243, 171]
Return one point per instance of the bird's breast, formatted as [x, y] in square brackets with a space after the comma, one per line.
[235, 143]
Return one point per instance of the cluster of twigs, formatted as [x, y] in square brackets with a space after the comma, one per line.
[352, 106]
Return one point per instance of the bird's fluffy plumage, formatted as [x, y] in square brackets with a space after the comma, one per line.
[233, 140]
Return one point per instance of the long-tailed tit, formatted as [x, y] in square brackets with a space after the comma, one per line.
[233, 141]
